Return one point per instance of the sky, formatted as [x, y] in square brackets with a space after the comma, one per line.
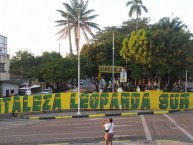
[30, 24]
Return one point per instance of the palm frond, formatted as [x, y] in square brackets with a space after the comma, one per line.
[77, 10]
[129, 3]
[144, 8]
[85, 35]
[86, 13]
[92, 25]
[63, 30]
[89, 18]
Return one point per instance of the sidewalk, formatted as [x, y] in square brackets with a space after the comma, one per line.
[128, 142]
[73, 114]
[97, 113]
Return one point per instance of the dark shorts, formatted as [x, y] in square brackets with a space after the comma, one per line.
[108, 136]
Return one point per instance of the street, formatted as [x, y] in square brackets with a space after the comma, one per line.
[174, 127]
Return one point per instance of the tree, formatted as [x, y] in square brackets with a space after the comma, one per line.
[55, 70]
[136, 6]
[137, 52]
[78, 17]
[164, 52]
[99, 52]
[20, 64]
[175, 24]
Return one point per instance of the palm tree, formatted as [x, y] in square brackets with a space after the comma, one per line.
[135, 7]
[175, 24]
[76, 17]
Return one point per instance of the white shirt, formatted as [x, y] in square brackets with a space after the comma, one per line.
[108, 125]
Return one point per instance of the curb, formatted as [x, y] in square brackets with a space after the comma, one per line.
[101, 115]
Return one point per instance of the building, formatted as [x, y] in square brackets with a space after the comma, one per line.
[4, 59]
[8, 86]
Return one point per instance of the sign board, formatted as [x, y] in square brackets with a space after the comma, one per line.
[28, 92]
[123, 76]
[109, 69]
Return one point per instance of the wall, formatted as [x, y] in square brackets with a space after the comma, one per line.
[9, 86]
[128, 100]
[5, 74]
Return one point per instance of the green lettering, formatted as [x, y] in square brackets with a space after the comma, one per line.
[146, 101]
[114, 101]
[174, 101]
[94, 101]
[37, 102]
[163, 100]
[46, 105]
[104, 99]
[25, 104]
[184, 101]
[84, 101]
[1, 100]
[135, 100]
[57, 102]
[73, 105]
[17, 104]
[125, 100]
[7, 103]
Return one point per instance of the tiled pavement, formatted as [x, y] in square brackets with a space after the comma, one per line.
[73, 114]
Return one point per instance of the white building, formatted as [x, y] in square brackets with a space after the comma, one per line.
[7, 87]
[4, 59]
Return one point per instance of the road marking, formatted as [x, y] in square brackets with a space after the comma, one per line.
[94, 118]
[97, 115]
[146, 129]
[124, 125]
[55, 144]
[89, 126]
[160, 112]
[96, 136]
[64, 133]
[14, 124]
[128, 113]
[62, 117]
[179, 127]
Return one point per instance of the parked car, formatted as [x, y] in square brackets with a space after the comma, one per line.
[81, 82]
[35, 89]
[189, 89]
[47, 91]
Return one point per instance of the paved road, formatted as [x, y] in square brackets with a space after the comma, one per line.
[161, 129]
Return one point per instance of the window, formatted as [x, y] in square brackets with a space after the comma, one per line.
[2, 67]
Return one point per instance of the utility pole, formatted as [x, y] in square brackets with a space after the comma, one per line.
[113, 70]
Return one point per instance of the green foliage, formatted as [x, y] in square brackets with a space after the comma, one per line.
[136, 6]
[76, 12]
[139, 49]
[20, 64]
[164, 50]
[51, 68]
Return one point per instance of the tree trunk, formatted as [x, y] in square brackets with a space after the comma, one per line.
[137, 22]
[69, 36]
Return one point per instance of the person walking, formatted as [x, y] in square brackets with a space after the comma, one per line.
[108, 136]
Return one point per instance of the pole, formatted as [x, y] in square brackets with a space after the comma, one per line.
[113, 73]
[78, 62]
[59, 49]
[186, 83]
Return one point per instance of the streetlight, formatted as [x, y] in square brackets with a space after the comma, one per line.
[186, 82]
[78, 113]
[113, 73]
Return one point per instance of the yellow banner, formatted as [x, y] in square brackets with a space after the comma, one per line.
[109, 69]
[154, 100]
